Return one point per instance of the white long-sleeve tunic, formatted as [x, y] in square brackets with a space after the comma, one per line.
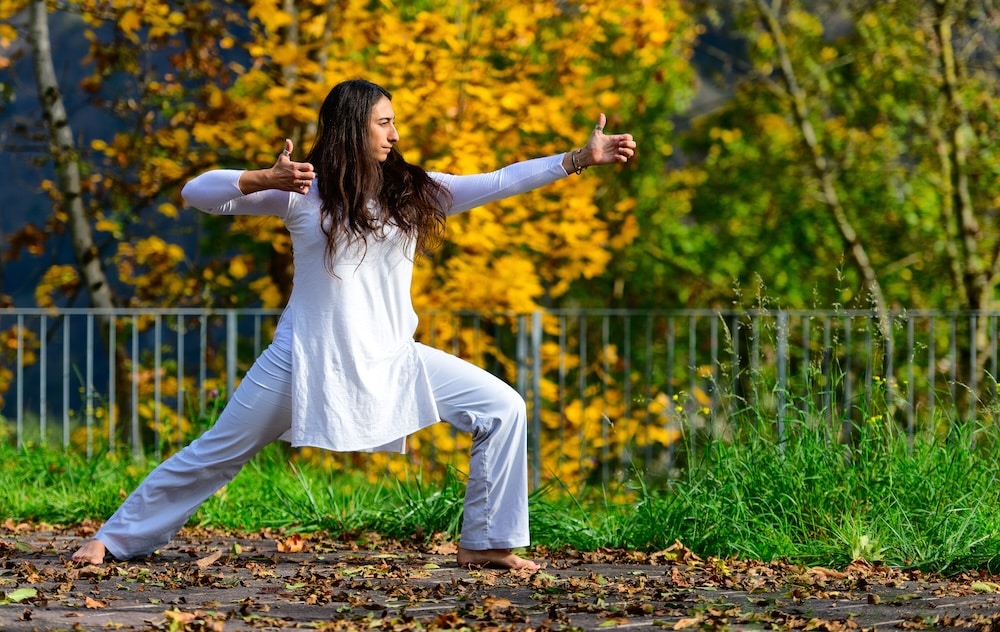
[357, 381]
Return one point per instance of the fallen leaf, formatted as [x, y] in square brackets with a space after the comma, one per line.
[177, 616]
[210, 559]
[676, 552]
[497, 602]
[449, 620]
[689, 622]
[18, 595]
[447, 548]
[292, 544]
[826, 573]
[94, 604]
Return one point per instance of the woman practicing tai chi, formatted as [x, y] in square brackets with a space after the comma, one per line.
[343, 371]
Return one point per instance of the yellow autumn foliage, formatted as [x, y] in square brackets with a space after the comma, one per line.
[474, 87]
[62, 279]
[472, 91]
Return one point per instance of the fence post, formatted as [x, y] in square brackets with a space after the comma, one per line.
[89, 386]
[521, 360]
[157, 393]
[782, 388]
[63, 373]
[113, 410]
[231, 343]
[43, 385]
[137, 449]
[536, 400]
[973, 365]
[20, 380]
[181, 408]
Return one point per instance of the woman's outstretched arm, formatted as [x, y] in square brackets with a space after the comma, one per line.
[471, 191]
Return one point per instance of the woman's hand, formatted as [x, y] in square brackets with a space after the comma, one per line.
[290, 175]
[285, 175]
[603, 149]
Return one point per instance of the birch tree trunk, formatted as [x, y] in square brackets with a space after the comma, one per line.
[66, 159]
[67, 168]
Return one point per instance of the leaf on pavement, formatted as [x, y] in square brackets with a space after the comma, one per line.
[18, 595]
[497, 602]
[292, 544]
[676, 552]
[688, 622]
[446, 548]
[210, 559]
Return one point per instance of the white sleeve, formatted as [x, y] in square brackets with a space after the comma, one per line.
[468, 192]
[218, 192]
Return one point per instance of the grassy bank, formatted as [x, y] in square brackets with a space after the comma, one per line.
[924, 502]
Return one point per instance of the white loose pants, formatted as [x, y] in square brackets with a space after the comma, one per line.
[469, 398]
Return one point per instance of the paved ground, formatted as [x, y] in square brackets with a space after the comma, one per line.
[205, 581]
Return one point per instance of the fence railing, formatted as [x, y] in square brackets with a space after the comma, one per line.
[607, 389]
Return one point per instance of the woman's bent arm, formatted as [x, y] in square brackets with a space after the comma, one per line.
[218, 192]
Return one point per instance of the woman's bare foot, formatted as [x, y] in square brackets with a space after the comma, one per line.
[497, 558]
[92, 553]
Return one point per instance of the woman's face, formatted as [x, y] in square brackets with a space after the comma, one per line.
[382, 134]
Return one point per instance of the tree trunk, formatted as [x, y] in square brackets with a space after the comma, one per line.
[67, 169]
[978, 276]
[66, 159]
[824, 171]
[975, 277]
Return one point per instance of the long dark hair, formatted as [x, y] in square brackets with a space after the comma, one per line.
[349, 178]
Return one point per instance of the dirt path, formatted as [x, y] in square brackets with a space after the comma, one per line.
[205, 581]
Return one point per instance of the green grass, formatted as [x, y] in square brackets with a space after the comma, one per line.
[926, 502]
[929, 504]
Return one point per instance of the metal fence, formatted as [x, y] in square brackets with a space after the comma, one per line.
[605, 388]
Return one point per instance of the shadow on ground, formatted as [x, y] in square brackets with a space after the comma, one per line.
[265, 581]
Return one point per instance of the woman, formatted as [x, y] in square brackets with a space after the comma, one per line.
[343, 371]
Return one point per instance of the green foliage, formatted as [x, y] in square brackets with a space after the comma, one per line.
[748, 208]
